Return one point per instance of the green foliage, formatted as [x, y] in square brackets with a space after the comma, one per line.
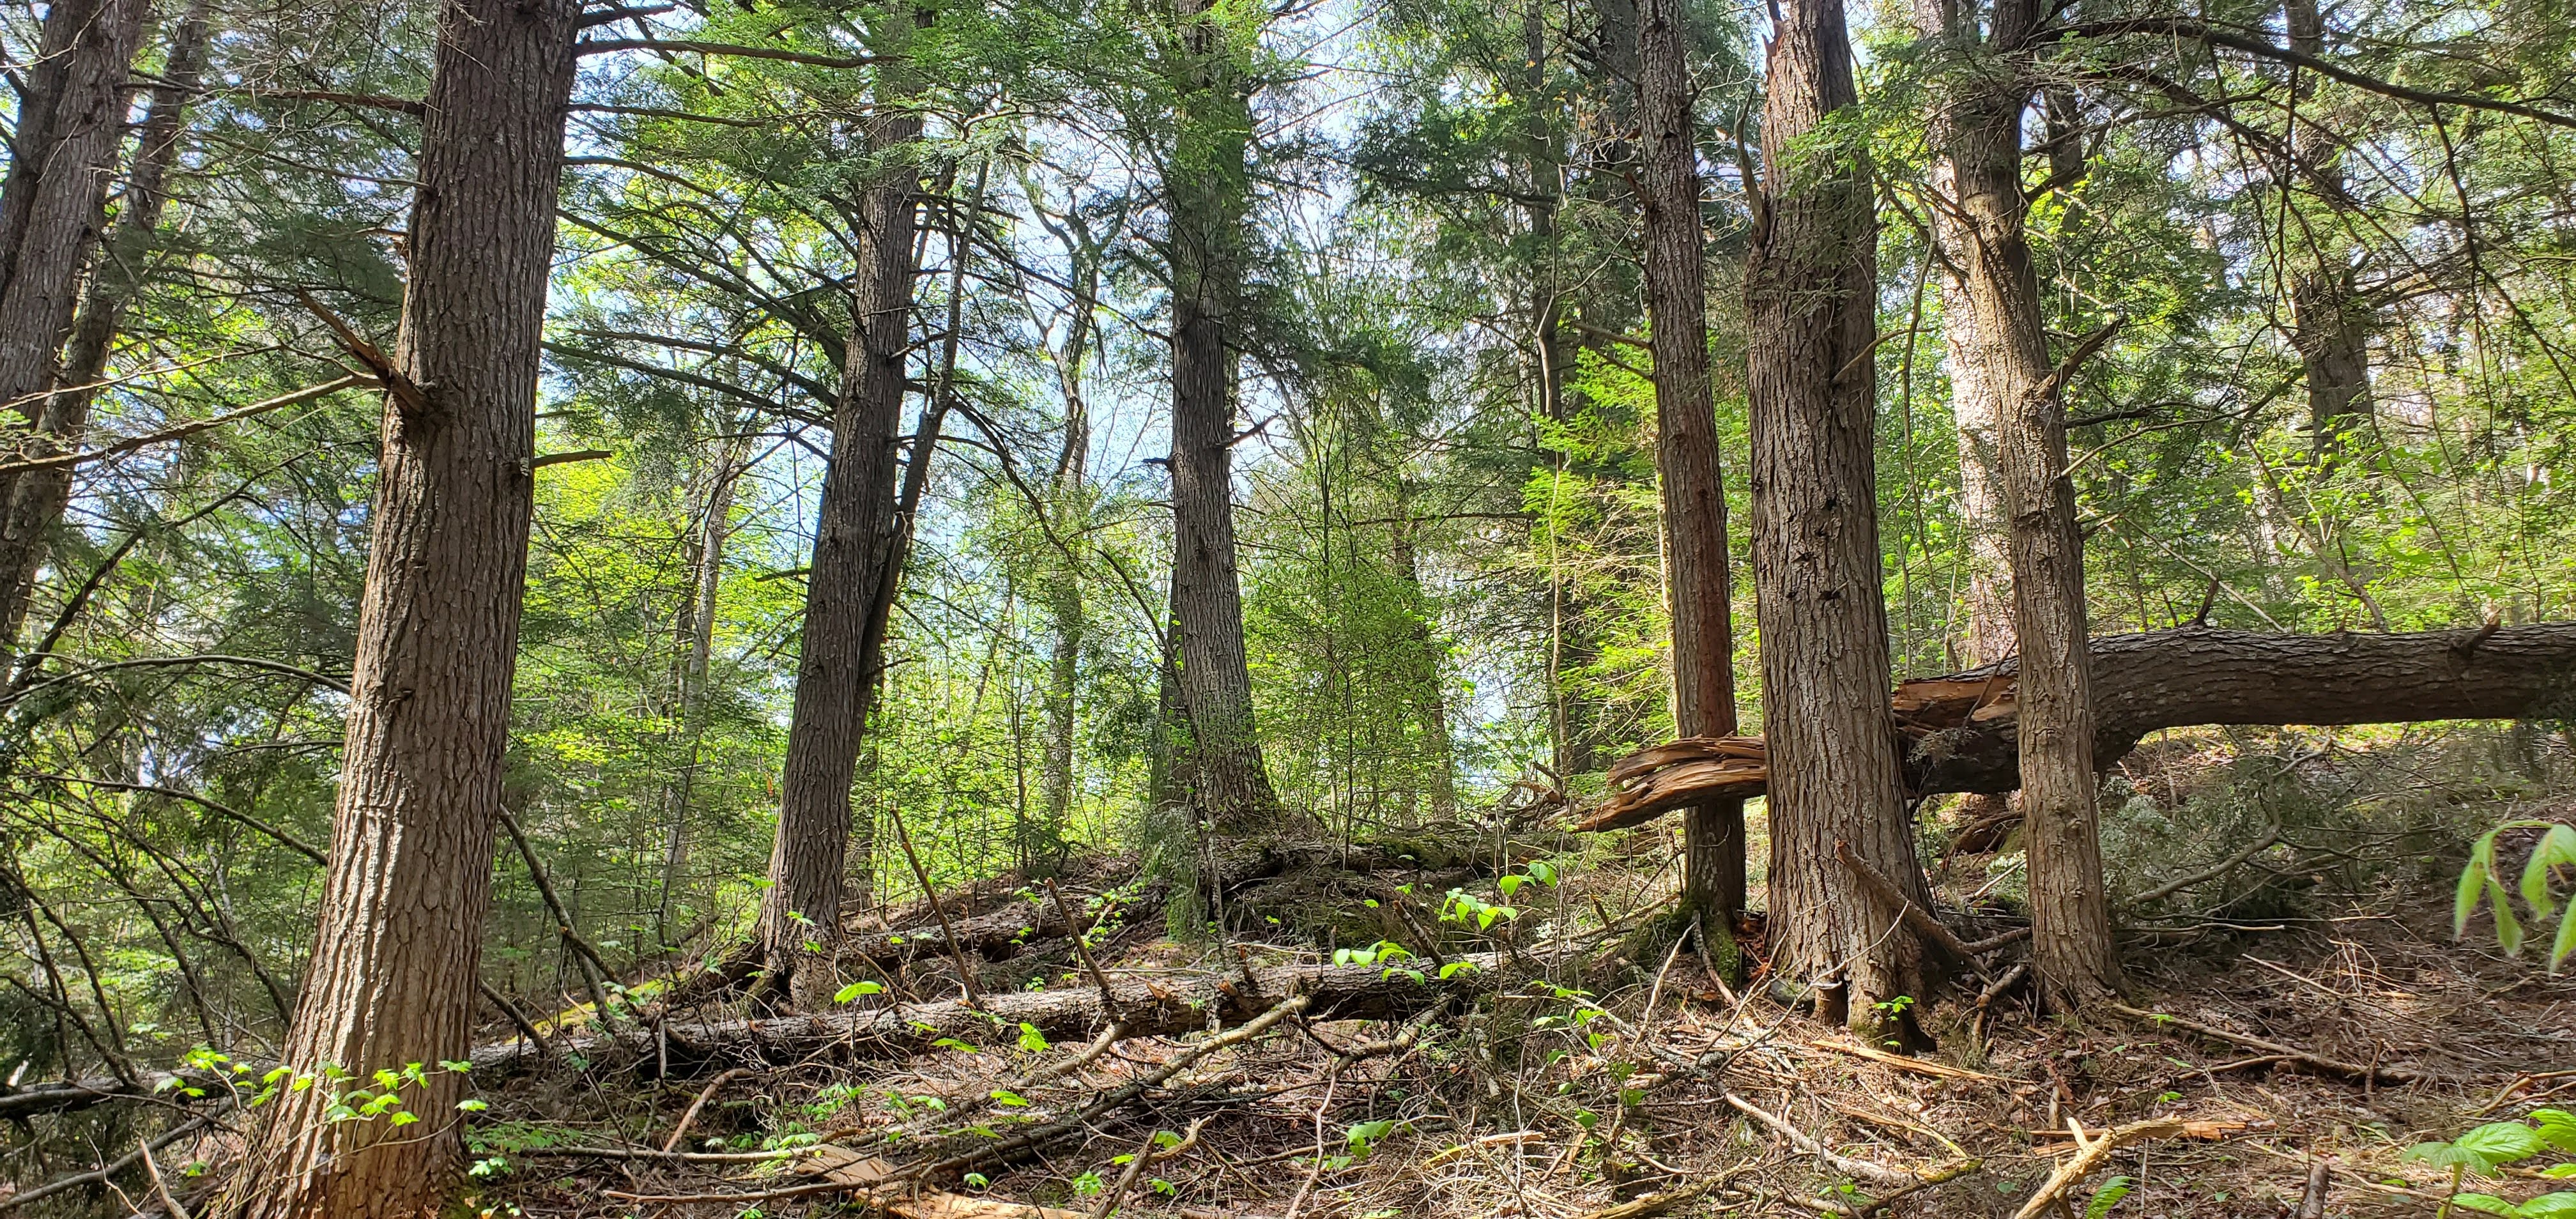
[2480, 881]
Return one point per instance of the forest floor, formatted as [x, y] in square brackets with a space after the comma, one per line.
[1355, 1120]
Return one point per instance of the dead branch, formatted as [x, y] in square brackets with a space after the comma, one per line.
[2091, 1156]
[2330, 1066]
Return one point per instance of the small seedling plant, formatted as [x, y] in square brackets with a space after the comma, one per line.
[2481, 878]
[2485, 1152]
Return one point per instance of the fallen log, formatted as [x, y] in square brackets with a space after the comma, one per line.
[1958, 730]
[1146, 1007]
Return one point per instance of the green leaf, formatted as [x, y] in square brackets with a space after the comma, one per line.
[2557, 1127]
[2107, 1197]
[2565, 945]
[471, 1105]
[2560, 1205]
[951, 1043]
[2501, 1142]
[1453, 967]
[2488, 1203]
[1004, 1096]
[2473, 882]
[1510, 884]
[1031, 1039]
[2557, 847]
[1545, 872]
[2442, 1155]
[2558, 1172]
[405, 1117]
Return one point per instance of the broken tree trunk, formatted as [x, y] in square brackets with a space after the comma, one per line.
[1146, 1008]
[1959, 730]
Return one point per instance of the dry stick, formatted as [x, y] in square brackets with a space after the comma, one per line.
[1306, 1189]
[100, 1174]
[705, 1094]
[1876, 1174]
[518, 1019]
[160, 1188]
[2091, 1156]
[948, 932]
[2312, 1204]
[1146, 1153]
[2331, 1066]
[1658, 1203]
[1915, 916]
[2261, 842]
[592, 969]
[1108, 999]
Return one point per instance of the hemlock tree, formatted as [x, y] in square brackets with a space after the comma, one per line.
[1207, 191]
[410, 872]
[1686, 457]
[1810, 304]
[800, 915]
[1977, 138]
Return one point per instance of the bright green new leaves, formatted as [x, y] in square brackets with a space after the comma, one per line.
[2556, 849]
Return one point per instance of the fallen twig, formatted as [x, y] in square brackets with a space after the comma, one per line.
[2331, 1066]
[2090, 1157]
[1878, 1174]
[681, 1131]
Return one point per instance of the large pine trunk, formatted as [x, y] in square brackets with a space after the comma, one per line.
[800, 920]
[69, 125]
[392, 976]
[1208, 183]
[1686, 455]
[1810, 297]
[1978, 138]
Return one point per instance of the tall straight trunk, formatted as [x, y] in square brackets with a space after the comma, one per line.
[1978, 137]
[70, 123]
[1686, 456]
[800, 915]
[1976, 414]
[2329, 323]
[697, 639]
[1208, 183]
[1810, 296]
[1069, 505]
[392, 977]
[1430, 698]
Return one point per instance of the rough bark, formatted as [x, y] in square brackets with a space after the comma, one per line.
[1977, 137]
[411, 844]
[1161, 1007]
[1208, 187]
[1960, 730]
[2329, 323]
[63, 146]
[32, 503]
[854, 528]
[1975, 413]
[1810, 296]
[1686, 455]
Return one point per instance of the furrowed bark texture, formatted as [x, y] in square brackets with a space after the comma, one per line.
[391, 979]
[63, 146]
[1686, 456]
[854, 528]
[1810, 295]
[1208, 185]
[1146, 1008]
[1978, 138]
[35, 499]
[1960, 730]
[2329, 322]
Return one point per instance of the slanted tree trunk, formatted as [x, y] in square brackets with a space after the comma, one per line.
[35, 499]
[1978, 139]
[2329, 323]
[70, 123]
[1686, 457]
[1208, 186]
[1810, 300]
[800, 915]
[392, 976]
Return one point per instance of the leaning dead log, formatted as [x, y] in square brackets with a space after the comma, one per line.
[1145, 1008]
[1958, 730]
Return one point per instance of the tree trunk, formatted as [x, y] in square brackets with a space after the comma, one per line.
[2329, 324]
[1978, 137]
[391, 980]
[1430, 698]
[70, 123]
[854, 530]
[1068, 502]
[1959, 730]
[35, 500]
[1810, 299]
[1686, 457]
[697, 635]
[1208, 187]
